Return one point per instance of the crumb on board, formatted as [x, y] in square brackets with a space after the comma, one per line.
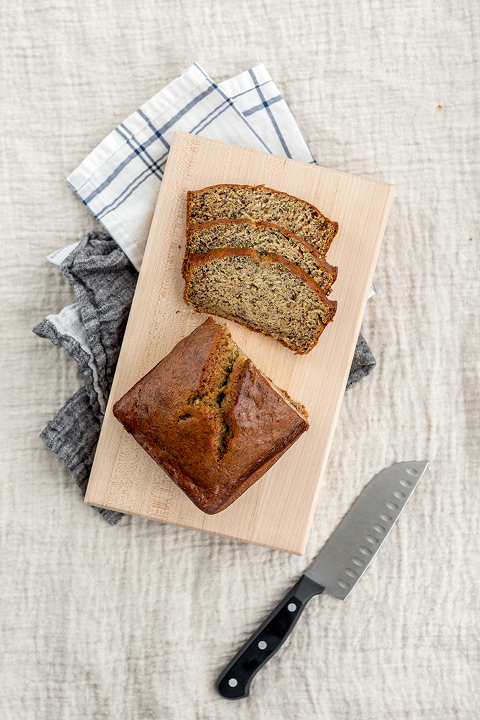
[440, 107]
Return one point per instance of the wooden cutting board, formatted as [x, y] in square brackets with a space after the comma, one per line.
[278, 510]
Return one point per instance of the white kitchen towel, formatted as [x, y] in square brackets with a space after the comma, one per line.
[120, 179]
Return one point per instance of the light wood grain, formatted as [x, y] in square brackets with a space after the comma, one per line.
[278, 510]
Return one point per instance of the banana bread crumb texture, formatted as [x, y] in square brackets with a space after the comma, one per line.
[264, 237]
[268, 294]
[262, 203]
[257, 256]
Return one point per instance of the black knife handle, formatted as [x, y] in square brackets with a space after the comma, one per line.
[234, 682]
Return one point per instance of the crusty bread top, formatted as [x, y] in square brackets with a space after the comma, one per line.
[209, 418]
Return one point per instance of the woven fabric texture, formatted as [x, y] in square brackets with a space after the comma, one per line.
[136, 621]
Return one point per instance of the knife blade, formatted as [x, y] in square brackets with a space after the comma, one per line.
[335, 570]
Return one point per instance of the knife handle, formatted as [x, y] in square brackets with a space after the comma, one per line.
[234, 682]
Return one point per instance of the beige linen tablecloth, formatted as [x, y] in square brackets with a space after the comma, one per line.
[136, 621]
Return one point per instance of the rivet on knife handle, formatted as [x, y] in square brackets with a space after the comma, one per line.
[235, 680]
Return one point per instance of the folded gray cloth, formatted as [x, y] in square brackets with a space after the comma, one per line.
[104, 280]
[362, 364]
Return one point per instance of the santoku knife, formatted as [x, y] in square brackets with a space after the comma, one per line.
[336, 569]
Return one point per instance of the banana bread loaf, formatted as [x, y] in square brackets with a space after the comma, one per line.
[268, 294]
[263, 237]
[210, 419]
[262, 203]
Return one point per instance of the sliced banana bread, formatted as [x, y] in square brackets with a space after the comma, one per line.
[267, 293]
[210, 418]
[262, 203]
[263, 237]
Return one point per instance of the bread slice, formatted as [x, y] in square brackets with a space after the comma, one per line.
[262, 203]
[268, 294]
[210, 419]
[263, 237]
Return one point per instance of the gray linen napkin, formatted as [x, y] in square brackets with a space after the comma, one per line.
[104, 280]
